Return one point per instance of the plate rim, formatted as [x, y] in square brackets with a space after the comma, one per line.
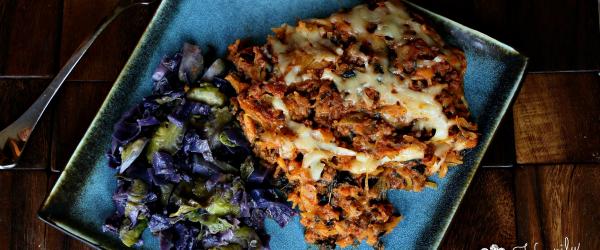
[43, 212]
[514, 90]
[162, 10]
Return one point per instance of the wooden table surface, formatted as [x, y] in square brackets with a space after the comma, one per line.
[549, 146]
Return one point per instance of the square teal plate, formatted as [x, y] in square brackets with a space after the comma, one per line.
[81, 198]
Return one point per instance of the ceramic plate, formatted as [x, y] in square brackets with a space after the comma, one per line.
[81, 198]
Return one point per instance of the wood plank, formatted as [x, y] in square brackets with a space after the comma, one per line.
[29, 36]
[567, 201]
[81, 100]
[556, 118]
[486, 214]
[111, 50]
[6, 180]
[22, 193]
[529, 229]
[555, 34]
[16, 95]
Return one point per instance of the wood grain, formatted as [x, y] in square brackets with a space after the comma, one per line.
[22, 193]
[486, 214]
[557, 118]
[556, 35]
[16, 95]
[567, 201]
[78, 104]
[106, 57]
[529, 229]
[6, 179]
[29, 37]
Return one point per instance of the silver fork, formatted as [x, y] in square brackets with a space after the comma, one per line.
[21, 128]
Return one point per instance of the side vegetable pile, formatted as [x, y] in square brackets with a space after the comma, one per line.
[185, 170]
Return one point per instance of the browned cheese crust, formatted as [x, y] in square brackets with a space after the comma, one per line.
[349, 106]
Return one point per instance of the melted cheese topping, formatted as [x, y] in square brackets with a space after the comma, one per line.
[302, 43]
[365, 163]
[305, 46]
[315, 149]
[420, 106]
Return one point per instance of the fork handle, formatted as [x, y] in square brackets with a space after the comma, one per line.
[29, 119]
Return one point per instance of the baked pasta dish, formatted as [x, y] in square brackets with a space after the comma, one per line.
[347, 107]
